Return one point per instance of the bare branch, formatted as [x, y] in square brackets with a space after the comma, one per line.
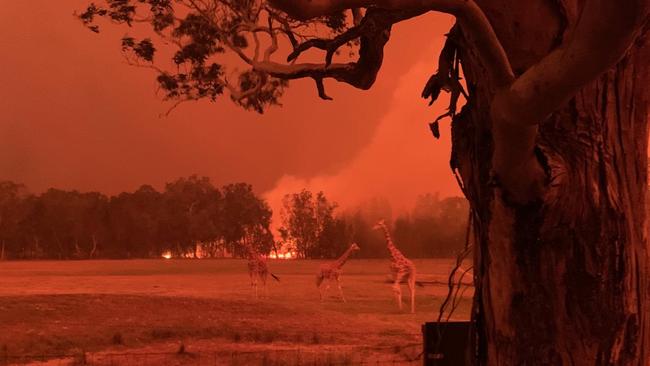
[350, 73]
[238, 51]
[274, 41]
[460, 258]
[321, 89]
[319, 43]
[375, 22]
[470, 17]
[239, 95]
[175, 105]
[286, 28]
[374, 33]
[256, 55]
[356, 16]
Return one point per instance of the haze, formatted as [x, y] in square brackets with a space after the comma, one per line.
[75, 116]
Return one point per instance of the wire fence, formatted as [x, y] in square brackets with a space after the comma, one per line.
[405, 354]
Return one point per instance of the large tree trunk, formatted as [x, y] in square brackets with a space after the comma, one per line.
[562, 280]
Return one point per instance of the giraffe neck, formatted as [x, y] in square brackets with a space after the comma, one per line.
[250, 251]
[343, 258]
[394, 252]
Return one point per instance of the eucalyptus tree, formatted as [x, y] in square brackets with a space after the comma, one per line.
[246, 219]
[550, 147]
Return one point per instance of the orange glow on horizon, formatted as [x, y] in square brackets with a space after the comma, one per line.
[287, 255]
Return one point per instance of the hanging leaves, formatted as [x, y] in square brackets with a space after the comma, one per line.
[435, 129]
[447, 78]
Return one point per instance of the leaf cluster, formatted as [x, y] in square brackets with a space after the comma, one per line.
[197, 34]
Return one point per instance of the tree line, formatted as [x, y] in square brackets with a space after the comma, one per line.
[191, 217]
[313, 228]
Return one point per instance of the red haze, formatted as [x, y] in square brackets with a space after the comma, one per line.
[75, 116]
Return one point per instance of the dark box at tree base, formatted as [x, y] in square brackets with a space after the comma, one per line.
[446, 343]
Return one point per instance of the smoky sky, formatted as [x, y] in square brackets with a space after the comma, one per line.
[74, 115]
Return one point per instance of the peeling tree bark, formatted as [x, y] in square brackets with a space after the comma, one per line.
[562, 279]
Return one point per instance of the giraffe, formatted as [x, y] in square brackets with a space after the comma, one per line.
[332, 271]
[257, 268]
[400, 266]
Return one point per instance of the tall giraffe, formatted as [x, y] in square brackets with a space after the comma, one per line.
[257, 268]
[332, 271]
[400, 266]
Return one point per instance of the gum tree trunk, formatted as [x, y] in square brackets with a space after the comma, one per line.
[562, 280]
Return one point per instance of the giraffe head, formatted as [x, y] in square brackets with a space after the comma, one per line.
[380, 224]
[354, 247]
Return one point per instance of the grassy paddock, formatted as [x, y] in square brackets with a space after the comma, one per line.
[150, 306]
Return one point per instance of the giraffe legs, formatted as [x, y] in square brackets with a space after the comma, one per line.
[254, 285]
[338, 284]
[411, 283]
[397, 288]
[255, 278]
[325, 282]
[327, 286]
[263, 277]
[320, 290]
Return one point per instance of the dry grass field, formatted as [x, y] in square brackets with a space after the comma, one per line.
[187, 312]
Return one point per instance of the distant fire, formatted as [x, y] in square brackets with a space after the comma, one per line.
[287, 255]
[199, 253]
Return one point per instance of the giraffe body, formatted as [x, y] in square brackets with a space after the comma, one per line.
[258, 270]
[332, 272]
[401, 268]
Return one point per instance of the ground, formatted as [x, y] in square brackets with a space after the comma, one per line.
[188, 312]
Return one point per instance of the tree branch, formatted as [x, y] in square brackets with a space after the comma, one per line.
[374, 33]
[470, 17]
[274, 41]
[603, 34]
[357, 15]
[375, 22]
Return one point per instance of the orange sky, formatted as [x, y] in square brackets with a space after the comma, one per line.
[74, 116]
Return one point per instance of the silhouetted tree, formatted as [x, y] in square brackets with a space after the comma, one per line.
[66, 224]
[192, 213]
[13, 209]
[136, 224]
[308, 222]
[299, 222]
[363, 218]
[246, 218]
[91, 225]
[434, 228]
[335, 237]
[142, 224]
